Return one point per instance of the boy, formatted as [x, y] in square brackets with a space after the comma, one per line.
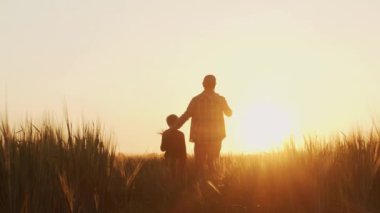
[173, 144]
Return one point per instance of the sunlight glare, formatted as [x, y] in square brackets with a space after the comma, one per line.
[264, 127]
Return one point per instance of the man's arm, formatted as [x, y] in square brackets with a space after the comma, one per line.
[226, 109]
[185, 116]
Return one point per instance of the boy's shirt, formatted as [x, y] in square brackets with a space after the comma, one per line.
[173, 142]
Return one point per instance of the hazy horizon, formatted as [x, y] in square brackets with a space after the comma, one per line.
[289, 67]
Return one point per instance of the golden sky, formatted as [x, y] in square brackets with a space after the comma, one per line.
[284, 66]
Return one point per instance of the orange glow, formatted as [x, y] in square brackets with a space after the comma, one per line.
[264, 126]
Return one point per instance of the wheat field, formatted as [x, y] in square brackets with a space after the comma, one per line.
[53, 168]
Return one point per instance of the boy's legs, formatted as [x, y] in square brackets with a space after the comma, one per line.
[171, 164]
[181, 167]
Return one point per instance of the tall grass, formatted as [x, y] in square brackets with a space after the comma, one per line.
[51, 168]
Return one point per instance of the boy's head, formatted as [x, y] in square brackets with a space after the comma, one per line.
[171, 120]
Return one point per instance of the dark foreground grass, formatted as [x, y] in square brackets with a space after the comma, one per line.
[53, 169]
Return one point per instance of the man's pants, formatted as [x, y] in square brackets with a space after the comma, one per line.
[206, 152]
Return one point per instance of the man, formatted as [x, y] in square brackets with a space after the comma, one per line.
[207, 129]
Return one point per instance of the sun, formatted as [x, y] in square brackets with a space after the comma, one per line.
[264, 127]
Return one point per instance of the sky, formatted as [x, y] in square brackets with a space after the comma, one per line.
[289, 67]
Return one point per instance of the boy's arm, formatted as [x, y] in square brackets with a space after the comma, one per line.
[182, 138]
[163, 143]
[183, 143]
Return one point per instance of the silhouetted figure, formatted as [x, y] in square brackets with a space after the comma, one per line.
[173, 144]
[207, 130]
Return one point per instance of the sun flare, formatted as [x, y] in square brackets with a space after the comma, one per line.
[264, 127]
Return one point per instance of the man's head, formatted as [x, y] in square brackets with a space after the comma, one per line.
[171, 120]
[209, 82]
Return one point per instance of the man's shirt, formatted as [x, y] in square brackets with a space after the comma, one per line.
[207, 112]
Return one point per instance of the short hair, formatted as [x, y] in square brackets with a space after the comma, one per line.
[209, 82]
[171, 119]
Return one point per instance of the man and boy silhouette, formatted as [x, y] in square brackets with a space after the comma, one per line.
[207, 130]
